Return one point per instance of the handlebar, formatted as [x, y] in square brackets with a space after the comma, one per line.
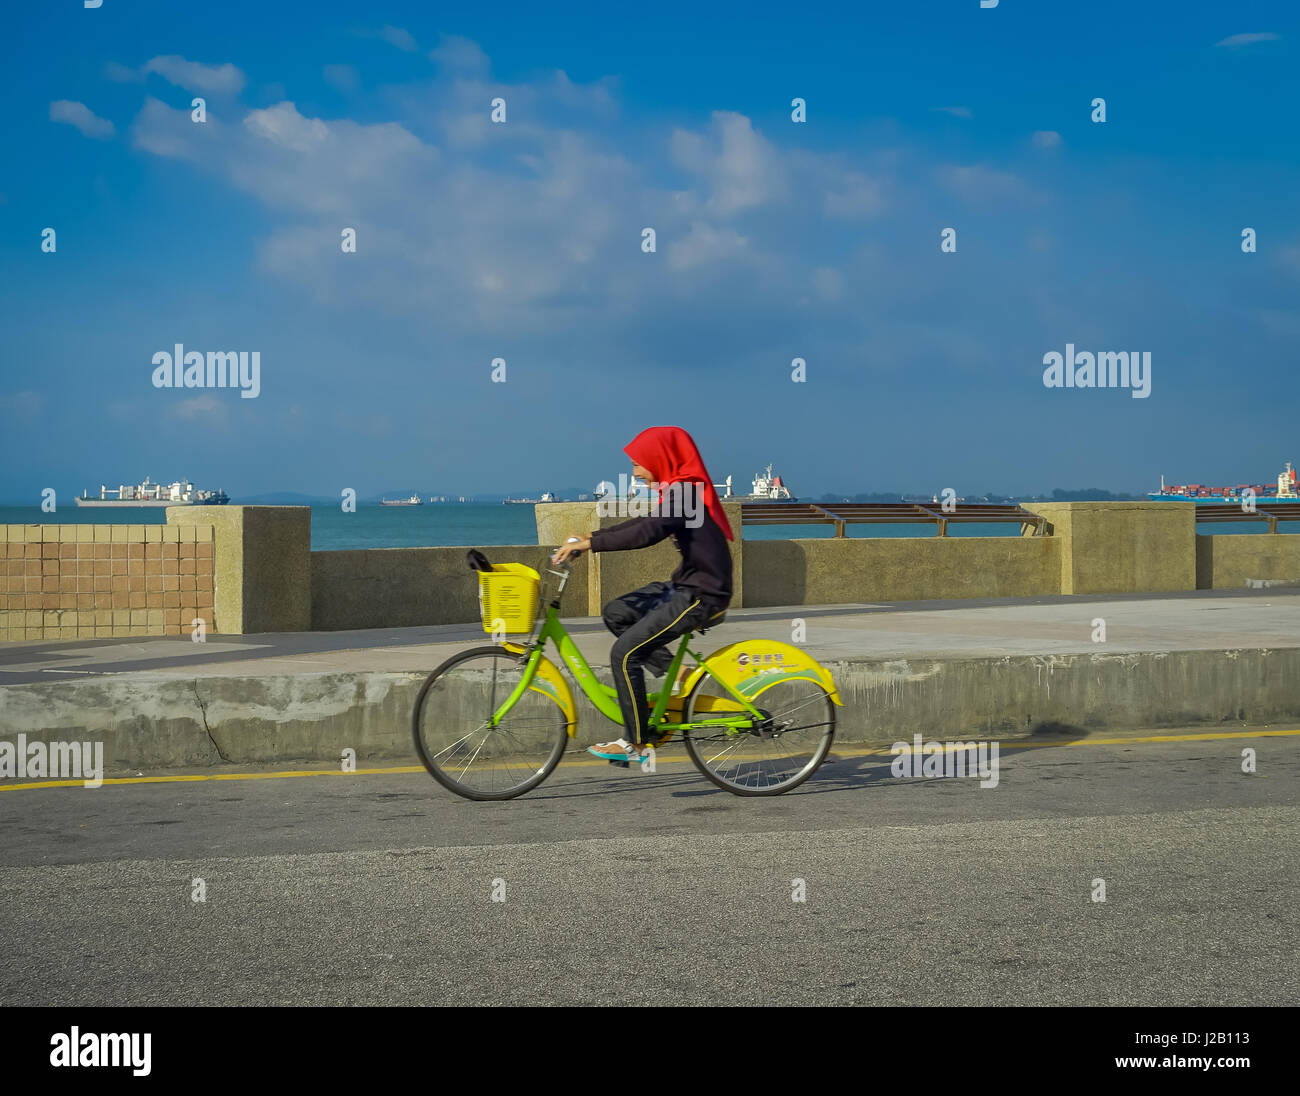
[565, 563]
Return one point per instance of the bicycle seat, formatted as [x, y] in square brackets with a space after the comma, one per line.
[477, 560]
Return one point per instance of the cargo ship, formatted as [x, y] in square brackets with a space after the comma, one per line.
[1285, 490]
[766, 487]
[180, 493]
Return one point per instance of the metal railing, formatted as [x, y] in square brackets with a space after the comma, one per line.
[1271, 512]
[843, 514]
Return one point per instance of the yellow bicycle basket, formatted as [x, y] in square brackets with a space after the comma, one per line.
[507, 597]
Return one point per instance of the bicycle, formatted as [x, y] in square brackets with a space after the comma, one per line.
[521, 711]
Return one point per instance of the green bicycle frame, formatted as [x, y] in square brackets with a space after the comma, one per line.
[605, 697]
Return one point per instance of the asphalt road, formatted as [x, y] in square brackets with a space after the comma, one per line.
[621, 888]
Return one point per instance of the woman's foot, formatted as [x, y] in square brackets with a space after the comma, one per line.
[618, 750]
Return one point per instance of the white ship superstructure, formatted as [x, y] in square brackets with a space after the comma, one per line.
[767, 487]
[178, 493]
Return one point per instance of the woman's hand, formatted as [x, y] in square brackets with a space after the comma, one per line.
[571, 547]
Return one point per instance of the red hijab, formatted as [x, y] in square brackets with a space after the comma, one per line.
[668, 453]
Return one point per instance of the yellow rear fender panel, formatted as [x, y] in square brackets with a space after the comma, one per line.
[753, 666]
[550, 682]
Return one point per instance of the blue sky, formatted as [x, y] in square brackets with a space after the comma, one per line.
[775, 240]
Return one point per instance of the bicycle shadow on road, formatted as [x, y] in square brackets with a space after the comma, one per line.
[683, 781]
[841, 771]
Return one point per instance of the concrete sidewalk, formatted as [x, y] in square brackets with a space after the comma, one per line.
[1205, 620]
[943, 669]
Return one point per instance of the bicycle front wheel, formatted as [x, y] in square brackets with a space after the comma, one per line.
[772, 757]
[460, 745]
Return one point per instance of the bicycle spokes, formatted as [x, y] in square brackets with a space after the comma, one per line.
[770, 755]
[473, 740]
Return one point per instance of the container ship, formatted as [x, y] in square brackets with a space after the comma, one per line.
[180, 493]
[1284, 490]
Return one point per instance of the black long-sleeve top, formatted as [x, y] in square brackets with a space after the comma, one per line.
[706, 558]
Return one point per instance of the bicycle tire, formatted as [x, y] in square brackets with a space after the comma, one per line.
[448, 781]
[694, 741]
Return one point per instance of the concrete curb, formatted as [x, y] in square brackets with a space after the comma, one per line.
[155, 721]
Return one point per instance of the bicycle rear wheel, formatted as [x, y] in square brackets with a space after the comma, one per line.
[461, 748]
[773, 757]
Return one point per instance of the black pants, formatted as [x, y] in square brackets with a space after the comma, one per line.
[645, 621]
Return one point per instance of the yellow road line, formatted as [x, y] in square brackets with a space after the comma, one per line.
[1026, 744]
[865, 751]
[214, 776]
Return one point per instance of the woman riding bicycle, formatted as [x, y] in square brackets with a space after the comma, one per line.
[698, 592]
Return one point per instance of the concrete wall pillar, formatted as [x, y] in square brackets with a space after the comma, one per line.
[263, 565]
[1123, 547]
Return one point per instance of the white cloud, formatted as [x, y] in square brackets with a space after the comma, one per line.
[23, 405]
[463, 99]
[855, 195]
[597, 97]
[344, 78]
[402, 39]
[81, 116]
[705, 245]
[829, 283]
[122, 74]
[740, 168]
[956, 112]
[283, 125]
[461, 55]
[166, 132]
[373, 425]
[1280, 323]
[474, 246]
[203, 407]
[1236, 41]
[1047, 138]
[979, 184]
[194, 76]
[533, 229]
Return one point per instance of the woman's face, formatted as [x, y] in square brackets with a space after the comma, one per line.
[642, 473]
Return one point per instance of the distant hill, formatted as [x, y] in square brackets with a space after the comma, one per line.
[1087, 494]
